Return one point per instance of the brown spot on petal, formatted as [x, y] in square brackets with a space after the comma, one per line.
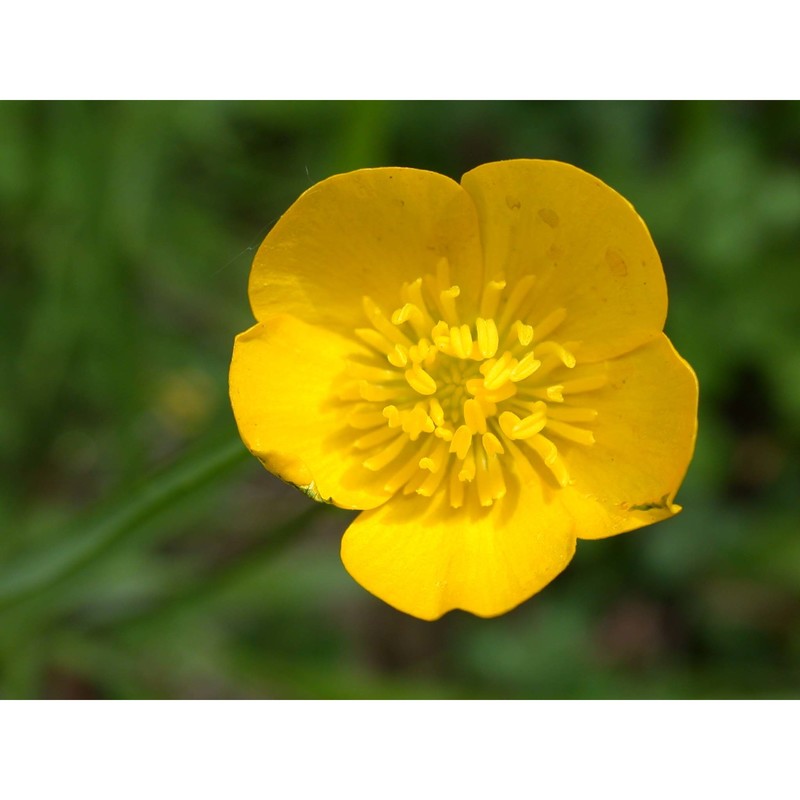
[549, 217]
[513, 203]
[616, 262]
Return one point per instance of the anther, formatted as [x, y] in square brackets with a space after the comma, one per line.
[474, 416]
[420, 381]
[488, 338]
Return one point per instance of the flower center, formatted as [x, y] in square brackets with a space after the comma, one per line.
[464, 405]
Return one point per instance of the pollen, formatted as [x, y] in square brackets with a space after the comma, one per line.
[463, 399]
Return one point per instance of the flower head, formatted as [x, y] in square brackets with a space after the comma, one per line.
[480, 368]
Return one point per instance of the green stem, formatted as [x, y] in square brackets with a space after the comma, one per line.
[206, 587]
[33, 573]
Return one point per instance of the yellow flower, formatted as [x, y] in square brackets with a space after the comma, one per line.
[480, 368]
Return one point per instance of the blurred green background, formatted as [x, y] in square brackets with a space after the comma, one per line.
[126, 235]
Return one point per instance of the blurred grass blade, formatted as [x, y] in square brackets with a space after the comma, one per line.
[116, 520]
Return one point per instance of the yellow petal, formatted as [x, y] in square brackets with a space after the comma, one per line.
[644, 439]
[365, 233]
[282, 390]
[586, 245]
[425, 557]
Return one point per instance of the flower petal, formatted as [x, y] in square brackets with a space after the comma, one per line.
[586, 245]
[426, 558]
[282, 382]
[644, 438]
[365, 233]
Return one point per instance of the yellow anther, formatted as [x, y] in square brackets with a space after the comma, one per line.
[544, 447]
[526, 366]
[467, 471]
[420, 351]
[370, 391]
[407, 312]
[530, 426]
[492, 445]
[393, 416]
[474, 416]
[420, 381]
[555, 393]
[524, 333]
[506, 391]
[399, 356]
[381, 323]
[549, 455]
[462, 440]
[436, 411]
[553, 348]
[444, 433]
[508, 422]
[488, 338]
[440, 333]
[500, 371]
[415, 421]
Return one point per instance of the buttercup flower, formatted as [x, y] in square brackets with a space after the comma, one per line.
[480, 368]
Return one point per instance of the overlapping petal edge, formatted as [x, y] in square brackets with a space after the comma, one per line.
[605, 448]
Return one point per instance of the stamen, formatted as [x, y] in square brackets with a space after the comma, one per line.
[570, 432]
[462, 440]
[516, 300]
[375, 438]
[488, 338]
[399, 356]
[444, 405]
[407, 312]
[474, 416]
[492, 445]
[526, 366]
[364, 416]
[524, 333]
[369, 391]
[572, 414]
[383, 325]
[461, 339]
[437, 412]
[413, 294]
[500, 371]
[588, 384]
[491, 298]
[375, 339]
[549, 323]
[467, 472]
[437, 459]
[420, 381]
[547, 348]
[456, 489]
[447, 304]
[387, 455]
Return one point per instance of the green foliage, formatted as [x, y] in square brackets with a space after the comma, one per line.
[128, 230]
